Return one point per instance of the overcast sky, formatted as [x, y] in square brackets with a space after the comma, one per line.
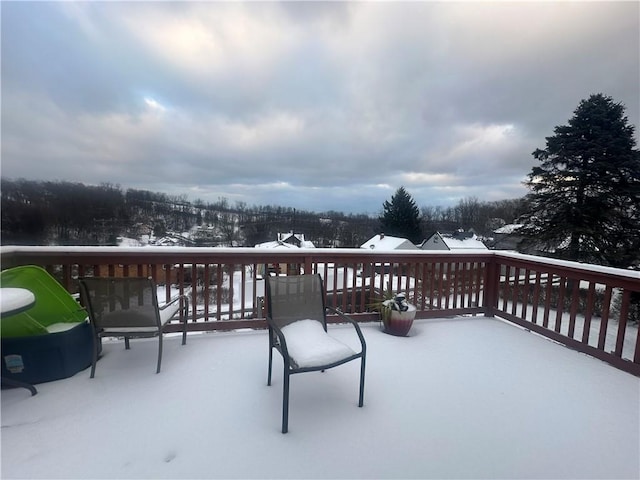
[316, 106]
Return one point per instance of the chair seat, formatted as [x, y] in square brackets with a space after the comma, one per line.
[136, 316]
[310, 346]
[167, 313]
[131, 330]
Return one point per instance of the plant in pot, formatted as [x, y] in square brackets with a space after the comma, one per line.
[396, 313]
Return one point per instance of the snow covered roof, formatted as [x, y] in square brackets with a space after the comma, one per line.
[440, 241]
[382, 242]
[288, 240]
[295, 239]
[464, 243]
[508, 229]
[275, 244]
[128, 242]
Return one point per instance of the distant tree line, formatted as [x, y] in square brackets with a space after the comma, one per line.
[66, 213]
[401, 216]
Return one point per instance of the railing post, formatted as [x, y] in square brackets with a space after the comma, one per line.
[308, 265]
[491, 286]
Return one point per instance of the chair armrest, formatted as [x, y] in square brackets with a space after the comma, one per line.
[352, 322]
[166, 317]
[173, 300]
[282, 341]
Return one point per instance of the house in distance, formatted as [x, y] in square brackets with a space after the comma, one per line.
[459, 240]
[387, 243]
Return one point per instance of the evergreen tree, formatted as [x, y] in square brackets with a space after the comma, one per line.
[401, 217]
[585, 194]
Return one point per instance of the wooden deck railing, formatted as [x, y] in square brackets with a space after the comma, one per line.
[589, 308]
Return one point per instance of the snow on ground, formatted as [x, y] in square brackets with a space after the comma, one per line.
[593, 338]
[401, 283]
[459, 398]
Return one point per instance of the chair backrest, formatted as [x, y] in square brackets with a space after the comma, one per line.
[295, 297]
[120, 302]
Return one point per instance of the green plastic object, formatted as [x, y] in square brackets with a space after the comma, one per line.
[54, 304]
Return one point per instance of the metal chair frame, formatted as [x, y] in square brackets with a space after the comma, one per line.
[278, 341]
[122, 319]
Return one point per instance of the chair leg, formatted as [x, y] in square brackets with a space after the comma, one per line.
[184, 326]
[285, 401]
[126, 343]
[97, 345]
[362, 367]
[270, 364]
[159, 352]
[94, 356]
[15, 383]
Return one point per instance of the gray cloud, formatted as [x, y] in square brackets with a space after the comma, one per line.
[313, 105]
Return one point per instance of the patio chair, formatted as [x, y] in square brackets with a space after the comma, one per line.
[128, 307]
[296, 315]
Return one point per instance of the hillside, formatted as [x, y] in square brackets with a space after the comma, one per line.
[63, 213]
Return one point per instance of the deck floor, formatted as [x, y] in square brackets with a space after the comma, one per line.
[459, 398]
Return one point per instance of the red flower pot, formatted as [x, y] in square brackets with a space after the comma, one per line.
[399, 323]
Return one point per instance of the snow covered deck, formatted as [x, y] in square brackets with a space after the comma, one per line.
[469, 397]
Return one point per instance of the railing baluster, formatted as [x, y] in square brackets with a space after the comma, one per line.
[354, 287]
[467, 298]
[440, 290]
[622, 322]
[525, 294]
[535, 302]
[254, 282]
[455, 284]
[451, 282]
[478, 287]
[575, 299]
[345, 291]
[506, 287]
[219, 287]
[515, 291]
[206, 293]
[547, 300]
[604, 321]
[421, 277]
[560, 306]
[586, 327]
[243, 289]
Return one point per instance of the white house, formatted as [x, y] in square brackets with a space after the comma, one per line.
[284, 241]
[386, 243]
[457, 241]
[288, 240]
[506, 237]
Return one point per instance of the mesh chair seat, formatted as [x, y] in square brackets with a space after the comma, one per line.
[139, 316]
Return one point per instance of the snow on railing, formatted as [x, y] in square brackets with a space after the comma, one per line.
[591, 308]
